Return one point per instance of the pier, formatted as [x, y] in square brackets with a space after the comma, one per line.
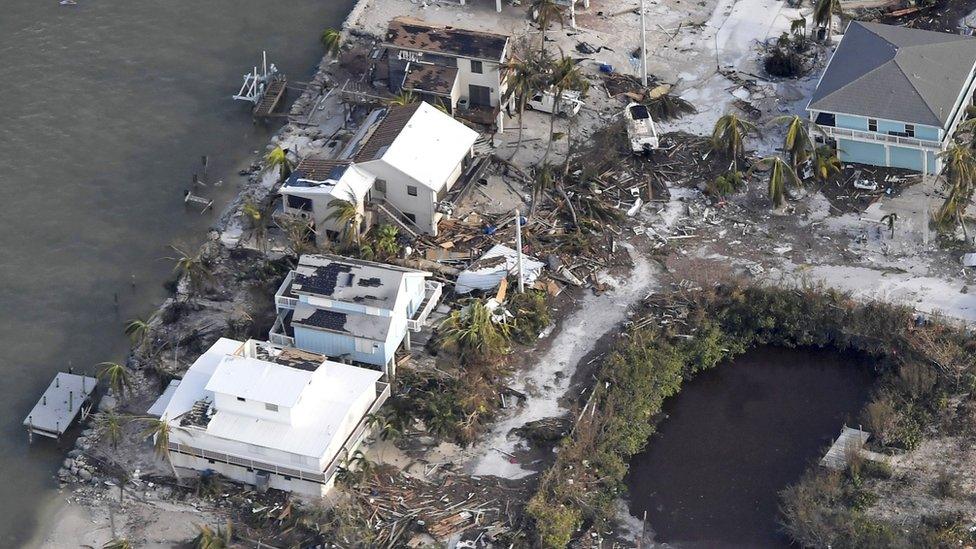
[67, 396]
[850, 440]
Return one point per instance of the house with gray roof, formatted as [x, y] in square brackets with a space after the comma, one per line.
[893, 96]
[352, 310]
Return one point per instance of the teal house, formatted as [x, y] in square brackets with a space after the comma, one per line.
[351, 310]
[893, 96]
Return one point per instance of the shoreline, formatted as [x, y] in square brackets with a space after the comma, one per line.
[64, 521]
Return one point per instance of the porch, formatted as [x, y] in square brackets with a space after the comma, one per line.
[432, 295]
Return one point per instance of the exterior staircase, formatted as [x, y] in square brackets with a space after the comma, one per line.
[384, 208]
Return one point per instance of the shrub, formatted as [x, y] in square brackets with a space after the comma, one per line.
[876, 469]
[881, 418]
[554, 523]
[947, 486]
[532, 315]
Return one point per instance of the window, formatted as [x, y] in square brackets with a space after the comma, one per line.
[411, 190]
[910, 130]
[476, 67]
[872, 125]
[380, 186]
[270, 407]
[242, 399]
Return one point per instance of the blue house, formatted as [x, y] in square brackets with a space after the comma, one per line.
[354, 310]
[893, 96]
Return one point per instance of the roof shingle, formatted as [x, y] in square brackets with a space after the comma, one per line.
[894, 73]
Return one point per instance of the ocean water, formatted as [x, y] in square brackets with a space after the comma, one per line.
[106, 107]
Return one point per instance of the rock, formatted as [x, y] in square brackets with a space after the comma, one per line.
[107, 403]
[84, 475]
[88, 432]
[74, 453]
[69, 463]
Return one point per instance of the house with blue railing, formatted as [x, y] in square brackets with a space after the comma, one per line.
[893, 96]
[352, 310]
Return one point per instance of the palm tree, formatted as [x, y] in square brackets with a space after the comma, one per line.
[564, 76]
[332, 40]
[405, 97]
[297, 230]
[823, 14]
[278, 158]
[159, 430]
[542, 183]
[346, 214]
[252, 212]
[797, 142]
[524, 80]
[729, 136]
[208, 538]
[473, 333]
[110, 424]
[137, 330]
[780, 175]
[545, 12]
[825, 162]
[958, 184]
[386, 241]
[118, 377]
[118, 543]
[193, 267]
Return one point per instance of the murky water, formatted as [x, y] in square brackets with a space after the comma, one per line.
[105, 109]
[735, 436]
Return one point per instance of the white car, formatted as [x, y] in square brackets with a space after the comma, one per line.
[569, 103]
[640, 128]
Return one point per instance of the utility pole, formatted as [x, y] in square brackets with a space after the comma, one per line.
[643, 46]
[518, 249]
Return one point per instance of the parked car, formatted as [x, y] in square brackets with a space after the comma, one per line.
[640, 128]
[569, 103]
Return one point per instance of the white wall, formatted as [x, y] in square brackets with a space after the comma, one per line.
[490, 78]
[251, 408]
[421, 206]
[241, 474]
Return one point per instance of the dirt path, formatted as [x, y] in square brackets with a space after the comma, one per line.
[549, 380]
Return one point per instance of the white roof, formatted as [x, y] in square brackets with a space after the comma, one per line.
[326, 414]
[259, 380]
[430, 146]
[193, 385]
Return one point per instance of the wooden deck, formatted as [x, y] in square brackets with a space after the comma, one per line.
[271, 98]
[850, 440]
[59, 406]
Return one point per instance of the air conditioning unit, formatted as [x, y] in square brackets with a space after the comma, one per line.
[462, 104]
[304, 215]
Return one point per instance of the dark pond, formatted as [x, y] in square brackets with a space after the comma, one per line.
[738, 434]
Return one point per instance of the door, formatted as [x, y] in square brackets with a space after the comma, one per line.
[479, 95]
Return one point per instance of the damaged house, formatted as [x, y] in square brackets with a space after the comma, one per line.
[269, 416]
[399, 168]
[352, 310]
[893, 96]
[463, 70]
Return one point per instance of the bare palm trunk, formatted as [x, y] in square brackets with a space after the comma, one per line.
[569, 204]
[521, 113]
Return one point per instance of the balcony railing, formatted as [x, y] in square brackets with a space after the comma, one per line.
[834, 131]
[324, 477]
[432, 295]
[282, 300]
[278, 335]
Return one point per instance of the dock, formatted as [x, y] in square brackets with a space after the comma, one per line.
[272, 95]
[850, 440]
[66, 397]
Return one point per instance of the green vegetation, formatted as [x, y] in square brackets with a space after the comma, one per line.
[118, 377]
[916, 362]
[332, 41]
